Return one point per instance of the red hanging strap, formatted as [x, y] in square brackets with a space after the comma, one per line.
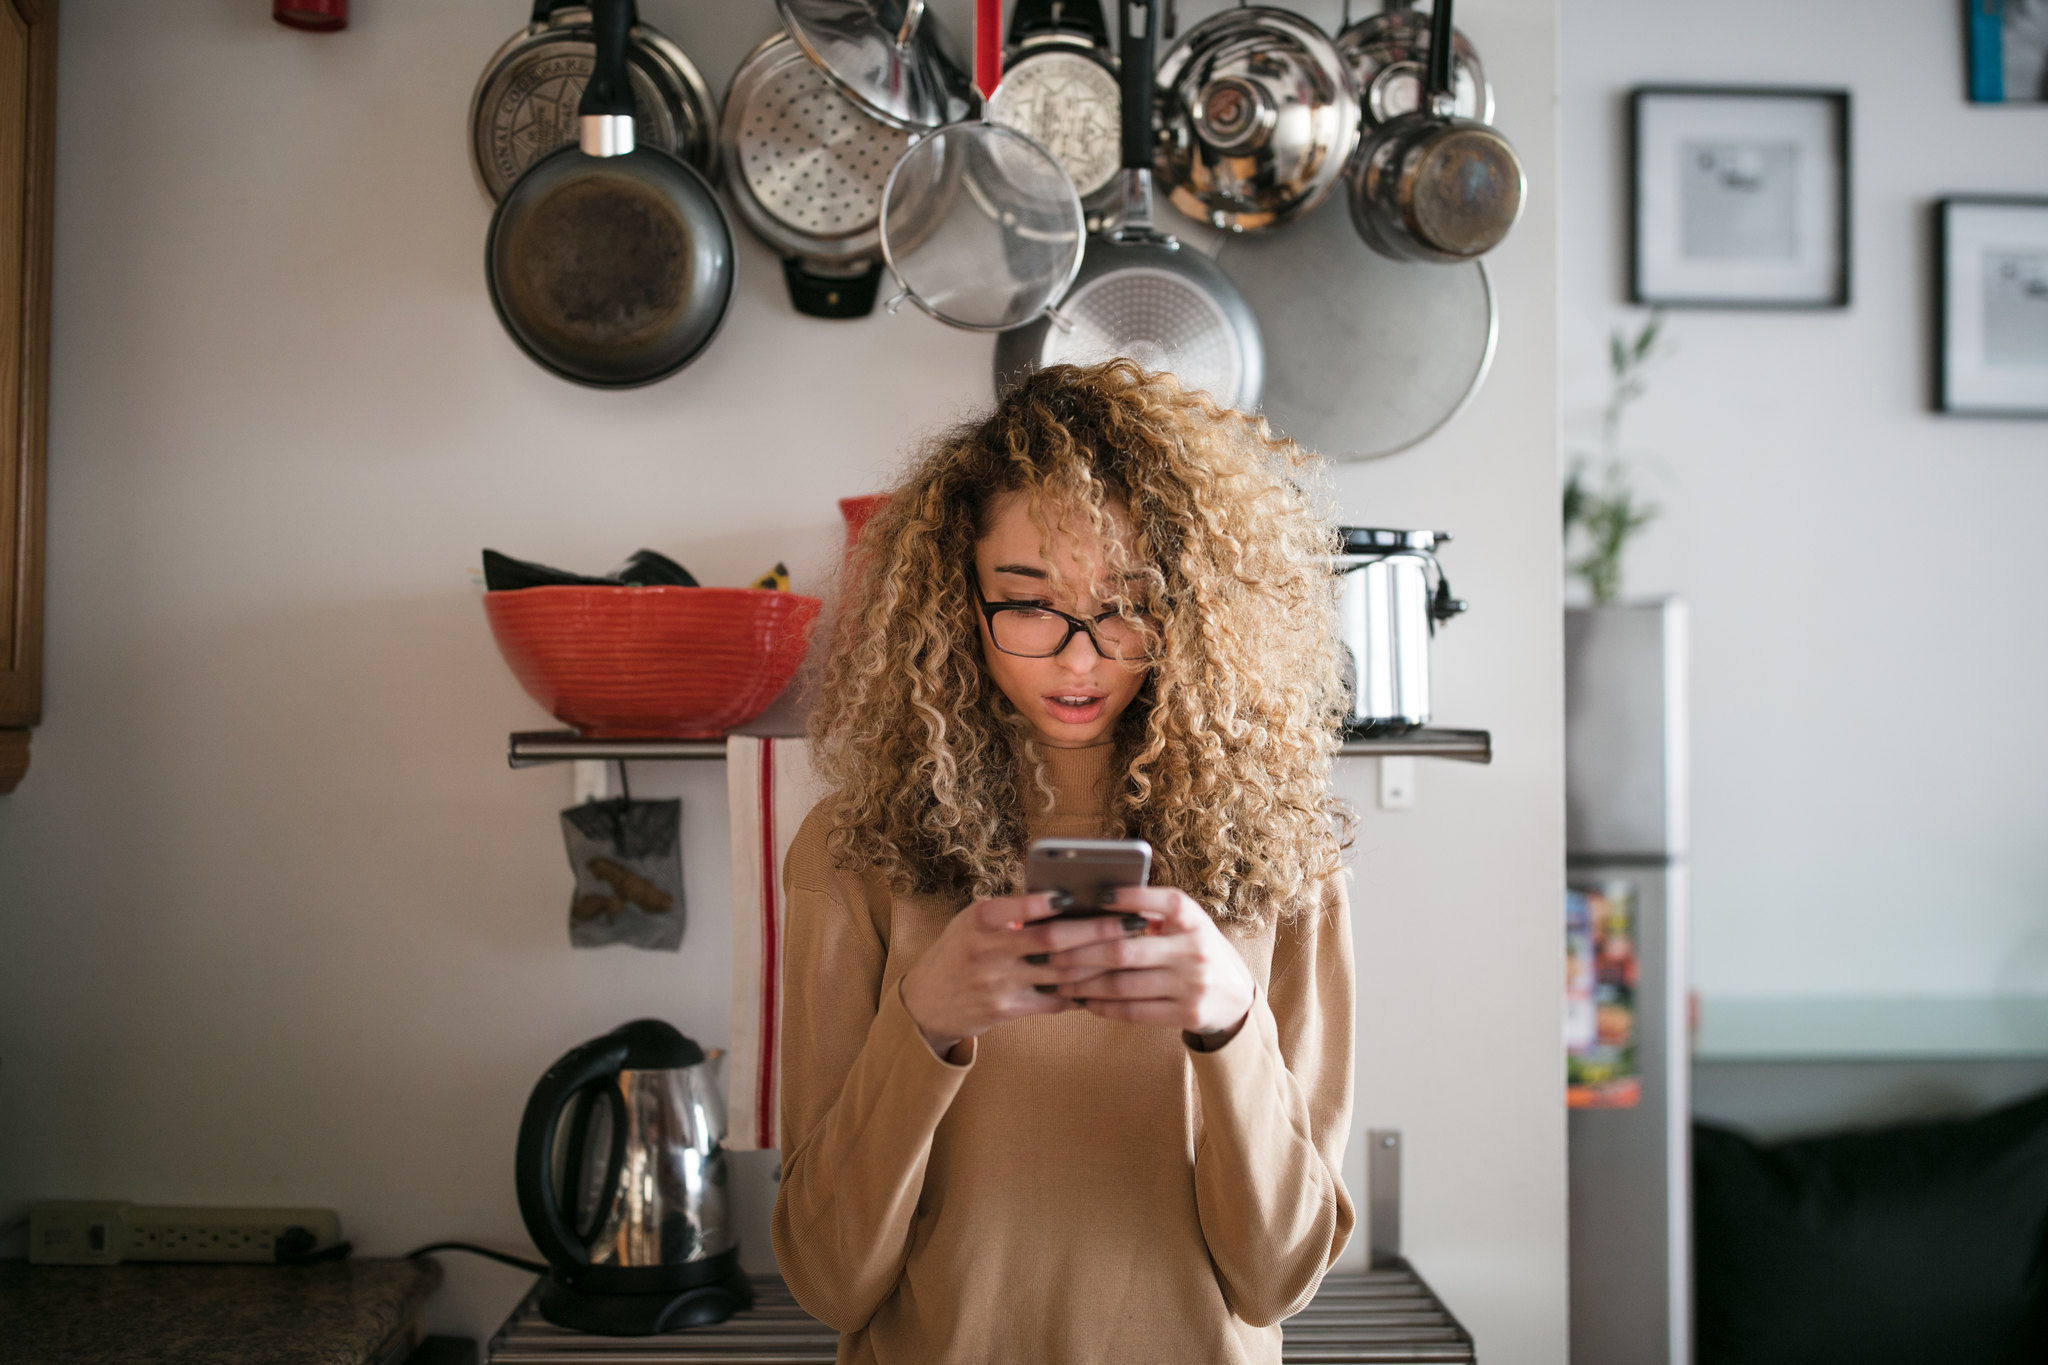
[988, 45]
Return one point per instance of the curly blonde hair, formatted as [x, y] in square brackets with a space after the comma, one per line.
[1225, 750]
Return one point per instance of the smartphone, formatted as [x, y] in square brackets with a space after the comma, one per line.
[1088, 870]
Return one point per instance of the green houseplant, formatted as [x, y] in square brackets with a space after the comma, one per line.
[1602, 511]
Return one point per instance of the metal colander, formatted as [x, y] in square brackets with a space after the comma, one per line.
[1157, 318]
[806, 165]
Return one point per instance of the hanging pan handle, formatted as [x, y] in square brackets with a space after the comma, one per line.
[1443, 98]
[1136, 37]
[605, 115]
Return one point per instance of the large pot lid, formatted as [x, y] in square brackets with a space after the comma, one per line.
[891, 57]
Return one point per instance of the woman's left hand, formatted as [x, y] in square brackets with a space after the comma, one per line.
[1181, 971]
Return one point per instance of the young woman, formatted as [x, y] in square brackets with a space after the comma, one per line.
[1102, 611]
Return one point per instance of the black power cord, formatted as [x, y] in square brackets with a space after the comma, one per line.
[535, 1267]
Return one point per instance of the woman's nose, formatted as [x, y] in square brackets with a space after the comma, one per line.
[1080, 654]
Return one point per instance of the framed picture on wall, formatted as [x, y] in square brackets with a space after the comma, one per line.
[1991, 342]
[1740, 197]
[2008, 51]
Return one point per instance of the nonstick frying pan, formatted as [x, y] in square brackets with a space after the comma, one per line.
[1140, 293]
[611, 265]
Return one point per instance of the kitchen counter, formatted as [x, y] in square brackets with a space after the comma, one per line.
[355, 1312]
[1386, 1316]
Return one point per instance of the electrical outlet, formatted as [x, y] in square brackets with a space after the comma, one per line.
[1397, 783]
[78, 1233]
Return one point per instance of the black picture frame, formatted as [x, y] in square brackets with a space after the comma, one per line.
[1970, 380]
[1732, 272]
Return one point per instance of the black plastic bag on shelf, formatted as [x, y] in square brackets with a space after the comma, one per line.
[642, 568]
[627, 859]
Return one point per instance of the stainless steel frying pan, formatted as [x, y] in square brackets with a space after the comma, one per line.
[1140, 293]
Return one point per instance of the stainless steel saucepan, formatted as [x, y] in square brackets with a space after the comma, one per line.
[1431, 186]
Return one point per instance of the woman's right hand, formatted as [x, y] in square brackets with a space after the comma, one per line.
[989, 964]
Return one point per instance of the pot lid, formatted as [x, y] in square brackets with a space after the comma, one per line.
[1060, 92]
[1367, 540]
[1260, 118]
[891, 57]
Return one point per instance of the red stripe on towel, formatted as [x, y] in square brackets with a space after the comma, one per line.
[771, 956]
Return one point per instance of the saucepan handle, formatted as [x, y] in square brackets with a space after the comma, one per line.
[1136, 38]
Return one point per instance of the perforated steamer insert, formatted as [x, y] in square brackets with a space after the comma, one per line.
[806, 167]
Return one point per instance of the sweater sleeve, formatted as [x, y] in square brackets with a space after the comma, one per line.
[1276, 1113]
[862, 1094]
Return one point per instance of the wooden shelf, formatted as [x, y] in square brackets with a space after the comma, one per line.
[531, 748]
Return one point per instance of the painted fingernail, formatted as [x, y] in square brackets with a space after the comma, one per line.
[1134, 924]
[1038, 959]
[1046, 988]
[1060, 900]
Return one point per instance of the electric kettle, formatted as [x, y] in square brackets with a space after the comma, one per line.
[631, 1212]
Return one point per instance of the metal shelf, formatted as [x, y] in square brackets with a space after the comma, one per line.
[531, 748]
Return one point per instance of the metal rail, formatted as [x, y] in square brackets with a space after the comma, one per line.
[531, 748]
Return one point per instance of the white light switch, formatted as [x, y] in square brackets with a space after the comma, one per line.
[1397, 783]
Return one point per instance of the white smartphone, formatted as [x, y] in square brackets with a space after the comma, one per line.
[1088, 870]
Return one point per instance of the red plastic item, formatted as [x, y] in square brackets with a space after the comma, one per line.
[856, 511]
[321, 16]
[652, 663]
[988, 45]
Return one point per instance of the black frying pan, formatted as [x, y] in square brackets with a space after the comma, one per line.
[610, 265]
[1139, 292]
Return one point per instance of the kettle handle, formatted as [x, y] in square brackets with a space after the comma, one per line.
[596, 1060]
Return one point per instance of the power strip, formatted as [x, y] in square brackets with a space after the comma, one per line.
[77, 1232]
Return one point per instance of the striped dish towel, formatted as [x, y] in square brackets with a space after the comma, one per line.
[770, 789]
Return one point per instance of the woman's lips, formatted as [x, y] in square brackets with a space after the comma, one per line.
[1075, 708]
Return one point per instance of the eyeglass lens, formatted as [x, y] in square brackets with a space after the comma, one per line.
[1038, 634]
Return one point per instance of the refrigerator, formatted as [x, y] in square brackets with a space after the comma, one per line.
[1626, 838]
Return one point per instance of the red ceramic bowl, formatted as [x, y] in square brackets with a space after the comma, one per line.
[652, 663]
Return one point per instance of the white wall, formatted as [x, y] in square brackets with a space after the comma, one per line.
[278, 925]
[1867, 580]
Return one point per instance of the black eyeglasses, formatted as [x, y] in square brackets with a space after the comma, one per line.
[1032, 630]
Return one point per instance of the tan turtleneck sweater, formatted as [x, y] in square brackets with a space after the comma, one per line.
[1078, 1191]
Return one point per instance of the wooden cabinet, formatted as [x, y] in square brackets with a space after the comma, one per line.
[28, 144]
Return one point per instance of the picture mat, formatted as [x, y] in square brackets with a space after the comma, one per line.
[1994, 327]
[1696, 245]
